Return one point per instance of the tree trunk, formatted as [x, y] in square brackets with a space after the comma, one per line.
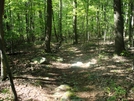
[87, 27]
[98, 22]
[31, 23]
[4, 61]
[75, 22]
[105, 20]
[27, 23]
[130, 23]
[48, 26]
[119, 26]
[54, 28]
[60, 19]
[132, 20]
[3, 68]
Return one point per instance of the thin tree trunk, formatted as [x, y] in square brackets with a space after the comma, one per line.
[31, 23]
[87, 32]
[27, 22]
[105, 20]
[132, 19]
[130, 24]
[60, 19]
[98, 22]
[75, 22]
[48, 26]
[54, 27]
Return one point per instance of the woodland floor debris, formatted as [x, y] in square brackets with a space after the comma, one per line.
[107, 79]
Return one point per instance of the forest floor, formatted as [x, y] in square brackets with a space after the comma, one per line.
[83, 72]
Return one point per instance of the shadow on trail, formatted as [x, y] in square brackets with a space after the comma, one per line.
[89, 81]
[104, 81]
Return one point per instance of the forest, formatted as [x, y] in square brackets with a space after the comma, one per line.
[66, 50]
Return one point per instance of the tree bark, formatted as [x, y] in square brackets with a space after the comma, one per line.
[3, 68]
[48, 26]
[87, 22]
[119, 26]
[60, 19]
[27, 23]
[131, 22]
[75, 22]
[3, 55]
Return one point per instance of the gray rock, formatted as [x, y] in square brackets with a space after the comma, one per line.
[39, 60]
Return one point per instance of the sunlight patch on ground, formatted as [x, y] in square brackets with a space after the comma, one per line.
[79, 54]
[119, 58]
[100, 68]
[74, 49]
[80, 64]
[112, 66]
[30, 93]
[30, 77]
[90, 95]
[117, 71]
[60, 65]
[65, 93]
[77, 64]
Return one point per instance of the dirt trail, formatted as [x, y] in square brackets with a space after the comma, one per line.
[92, 74]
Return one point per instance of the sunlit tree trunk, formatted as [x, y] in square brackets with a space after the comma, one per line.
[98, 20]
[131, 22]
[105, 20]
[119, 26]
[126, 18]
[132, 18]
[48, 26]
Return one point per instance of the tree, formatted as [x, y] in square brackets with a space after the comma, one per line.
[27, 22]
[4, 61]
[119, 26]
[60, 18]
[131, 21]
[75, 22]
[48, 26]
[3, 67]
[87, 22]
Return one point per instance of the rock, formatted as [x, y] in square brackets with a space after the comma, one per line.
[61, 92]
[39, 60]
[68, 95]
[59, 59]
[63, 88]
[65, 93]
